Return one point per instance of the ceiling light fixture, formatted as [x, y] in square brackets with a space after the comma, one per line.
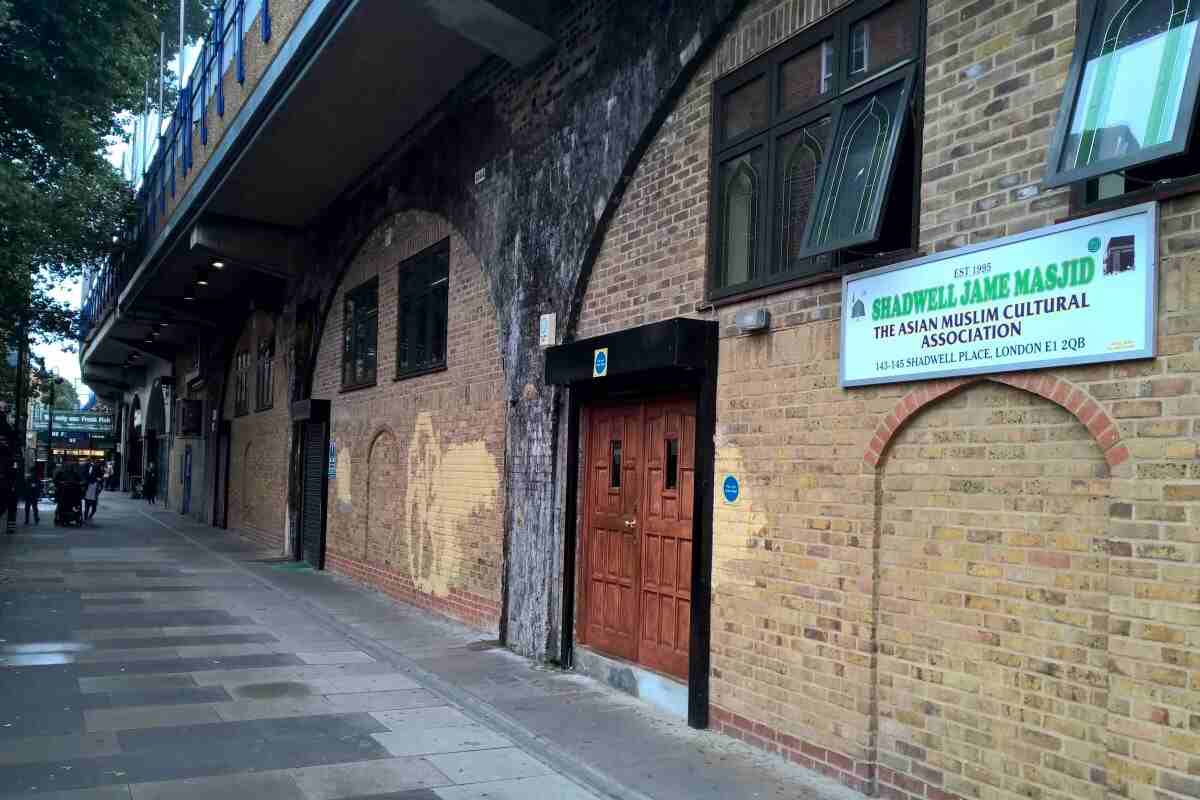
[189, 293]
[218, 265]
[202, 277]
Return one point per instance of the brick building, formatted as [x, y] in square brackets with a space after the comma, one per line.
[974, 583]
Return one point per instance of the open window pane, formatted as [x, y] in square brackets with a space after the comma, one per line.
[744, 109]
[805, 77]
[857, 169]
[800, 155]
[882, 39]
[1131, 92]
[741, 191]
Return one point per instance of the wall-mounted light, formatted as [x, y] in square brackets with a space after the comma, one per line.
[753, 321]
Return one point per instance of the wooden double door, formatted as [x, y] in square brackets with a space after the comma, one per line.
[639, 487]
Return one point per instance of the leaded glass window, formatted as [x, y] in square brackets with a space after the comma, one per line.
[1132, 88]
[813, 127]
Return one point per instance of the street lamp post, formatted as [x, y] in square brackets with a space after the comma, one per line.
[54, 382]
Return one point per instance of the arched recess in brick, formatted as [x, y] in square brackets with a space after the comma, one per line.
[247, 482]
[992, 674]
[1064, 393]
[382, 503]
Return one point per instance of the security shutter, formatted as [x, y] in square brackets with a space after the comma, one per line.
[313, 515]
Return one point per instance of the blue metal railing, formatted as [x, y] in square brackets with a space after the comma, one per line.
[174, 155]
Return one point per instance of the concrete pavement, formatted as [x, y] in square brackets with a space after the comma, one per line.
[145, 656]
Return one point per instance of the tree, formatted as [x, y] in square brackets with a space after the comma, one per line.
[68, 70]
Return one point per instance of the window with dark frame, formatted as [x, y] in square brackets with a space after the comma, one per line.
[1126, 113]
[360, 333]
[811, 150]
[264, 385]
[241, 383]
[423, 312]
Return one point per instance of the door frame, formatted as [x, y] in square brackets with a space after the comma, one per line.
[304, 414]
[674, 357]
[583, 520]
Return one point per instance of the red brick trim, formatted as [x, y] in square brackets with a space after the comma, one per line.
[863, 776]
[1066, 394]
[472, 609]
[858, 775]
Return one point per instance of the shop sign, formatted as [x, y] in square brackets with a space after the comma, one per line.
[332, 459]
[1075, 293]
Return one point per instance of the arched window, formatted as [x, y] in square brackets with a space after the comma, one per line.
[740, 223]
[804, 151]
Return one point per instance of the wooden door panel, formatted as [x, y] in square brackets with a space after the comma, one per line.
[614, 465]
[666, 533]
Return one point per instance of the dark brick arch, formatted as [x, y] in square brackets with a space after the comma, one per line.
[1073, 398]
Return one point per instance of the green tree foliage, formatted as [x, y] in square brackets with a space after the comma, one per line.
[65, 395]
[68, 70]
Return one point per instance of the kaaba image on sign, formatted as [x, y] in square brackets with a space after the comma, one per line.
[857, 309]
[1119, 256]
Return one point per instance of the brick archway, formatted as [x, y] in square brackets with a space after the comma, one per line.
[1064, 393]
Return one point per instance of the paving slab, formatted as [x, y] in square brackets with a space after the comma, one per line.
[435, 717]
[117, 719]
[545, 787]
[334, 657]
[367, 778]
[117, 683]
[275, 785]
[488, 765]
[58, 748]
[419, 740]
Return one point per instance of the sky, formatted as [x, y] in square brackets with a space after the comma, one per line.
[58, 359]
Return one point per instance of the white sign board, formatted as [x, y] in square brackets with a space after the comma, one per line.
[1075, 293]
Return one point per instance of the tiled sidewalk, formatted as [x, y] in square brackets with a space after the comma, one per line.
[149, 657]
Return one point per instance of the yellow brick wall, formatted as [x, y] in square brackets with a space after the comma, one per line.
[866, 621]
[259, 443]
[416, 507]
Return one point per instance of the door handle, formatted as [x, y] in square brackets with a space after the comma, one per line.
[632, 523]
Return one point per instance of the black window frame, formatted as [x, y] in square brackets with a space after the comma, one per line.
[412, 269]
[354, 310]
[830, 258]
[264, 379]
[241, 383]
[1180, 143]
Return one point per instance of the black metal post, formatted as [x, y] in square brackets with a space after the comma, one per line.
[20, 401]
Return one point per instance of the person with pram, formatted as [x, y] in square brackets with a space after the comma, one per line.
[68, 496]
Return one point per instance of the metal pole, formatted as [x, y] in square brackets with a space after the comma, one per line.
[50, 433]
[19, 401]
[162, 54]
[182, 28]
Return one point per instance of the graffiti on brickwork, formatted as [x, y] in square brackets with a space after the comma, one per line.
[447, 487]
[344, 495]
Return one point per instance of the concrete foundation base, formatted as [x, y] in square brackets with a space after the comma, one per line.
[666, 694]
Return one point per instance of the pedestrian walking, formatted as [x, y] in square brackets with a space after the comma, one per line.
[32, 494]
[150, 485]
[91, 496]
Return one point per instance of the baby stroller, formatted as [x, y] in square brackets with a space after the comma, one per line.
[68, 508]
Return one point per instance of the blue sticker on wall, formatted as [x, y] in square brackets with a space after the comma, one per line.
[731, 488]
[332, 459]
[600, 363]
